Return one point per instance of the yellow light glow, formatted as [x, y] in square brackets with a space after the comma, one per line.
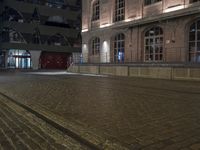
[85, 30]
[173, 8]
[132, 19]
[105, 25]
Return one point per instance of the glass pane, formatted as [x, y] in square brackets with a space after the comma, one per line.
[198, 35]
[192, 36]
[198, 25]
[192, 28]
[192, 46]
[198, 46]
[157, 49]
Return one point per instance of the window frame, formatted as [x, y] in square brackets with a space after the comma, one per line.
[119, 45]
[96, 10]
[154, 45]
[119, 10]
[95, 46]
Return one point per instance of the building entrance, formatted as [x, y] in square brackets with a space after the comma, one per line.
[19, 59]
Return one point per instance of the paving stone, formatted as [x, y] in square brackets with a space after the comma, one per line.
[156, 114]
[195, 146]
[18, 133]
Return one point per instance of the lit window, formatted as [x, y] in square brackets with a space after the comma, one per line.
[119, 48]
[194, 42]
[119, 13]
[95, 46]
[95, 10]
[150, 2]
[153, 44]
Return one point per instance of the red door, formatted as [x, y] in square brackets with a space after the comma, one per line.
[53, 60]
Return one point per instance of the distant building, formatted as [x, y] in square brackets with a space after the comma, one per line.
[145, 31]
[39, 33]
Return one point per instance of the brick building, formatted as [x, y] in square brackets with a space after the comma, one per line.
[127, 31]
[39, 33]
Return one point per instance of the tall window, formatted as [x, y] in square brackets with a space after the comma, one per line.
[154, 44]
[95, 10]
[149, 2]
[95, 46]
[194, 42]
[119, 48]
[119, 13]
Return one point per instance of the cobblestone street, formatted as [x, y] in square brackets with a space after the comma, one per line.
[128, 112]
[21, 130]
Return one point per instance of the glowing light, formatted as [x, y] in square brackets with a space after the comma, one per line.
[84, 47]
[173, 8]
[132, 19]
[85, 30]
[105, 46]
[105, 25]
[105, 52]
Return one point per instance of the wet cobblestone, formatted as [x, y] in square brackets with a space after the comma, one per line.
[139, 113]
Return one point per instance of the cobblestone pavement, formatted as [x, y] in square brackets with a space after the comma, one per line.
[21, 130]
[137, 113]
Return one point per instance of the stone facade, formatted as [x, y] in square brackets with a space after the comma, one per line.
[172, 17]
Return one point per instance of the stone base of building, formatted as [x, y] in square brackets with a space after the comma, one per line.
[159, 71]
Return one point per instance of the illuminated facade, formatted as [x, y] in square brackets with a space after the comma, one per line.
[153, 31]
[39, 33]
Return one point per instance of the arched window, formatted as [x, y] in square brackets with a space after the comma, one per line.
[95, 46]
[194, 42]
[119, 13]
[119, 48]
[95, 10]
[153, 44]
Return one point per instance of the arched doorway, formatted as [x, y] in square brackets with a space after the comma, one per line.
[19, 59]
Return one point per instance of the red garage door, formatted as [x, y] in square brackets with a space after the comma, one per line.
[51, 60]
